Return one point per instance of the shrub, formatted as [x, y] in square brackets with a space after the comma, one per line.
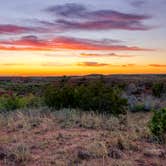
[141, 107]
[98, 97]
[8, 103]
[93, 97]
[158, 124]
[138, 108]
[158, 89]
[57, 97]
[31, 101]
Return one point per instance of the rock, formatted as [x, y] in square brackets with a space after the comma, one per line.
[154, 153]
[149, 103]
[12, 157]
[131, 88]
[3, 154]
[132, 101]
[83, 155]
[115, 153]
[140, 162]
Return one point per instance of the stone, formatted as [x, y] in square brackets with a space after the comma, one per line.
[114, 153]
[84, 155]
[3, 154]
[154, 153]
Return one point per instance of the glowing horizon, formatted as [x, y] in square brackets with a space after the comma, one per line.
[77, 38]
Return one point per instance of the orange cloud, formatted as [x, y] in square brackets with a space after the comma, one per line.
[128, 65]
[32, 43]
[109, 54]
[12, 64]
[157, 65]
[92, 64]
[53, 64]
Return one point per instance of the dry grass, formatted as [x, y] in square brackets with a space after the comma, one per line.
[19, 154]
[37, 137]
[97, 149]
[89, 120]
[25, 120]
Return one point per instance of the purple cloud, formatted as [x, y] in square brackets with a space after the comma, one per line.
[68, 10]
[101, 25]
[138, 3]
[74, 16]
[13, 29]
[17, 29]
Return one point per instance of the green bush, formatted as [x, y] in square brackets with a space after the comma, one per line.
[158, 124]
[141, 107]
[8, 103]
[138, 108]
[158, 89]
[59, 97]
[93, 97]
[32, 101]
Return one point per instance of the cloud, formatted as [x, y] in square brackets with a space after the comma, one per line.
[12, 64]
[109, 55]
[64, 43]
[101, 25]
[77, 17]
[138, 3]
[53, 64]
[68, 10]
[92, 64]
[25, 43]
[128, 65]
[157, 65]
[16, 29]
[73, 10]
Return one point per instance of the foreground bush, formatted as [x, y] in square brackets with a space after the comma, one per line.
[59, 97]
[9, 103]
[93, 97]
[158, 89]
[138, 108]
[158, 124]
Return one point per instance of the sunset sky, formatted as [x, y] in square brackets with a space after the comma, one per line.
[77, 37]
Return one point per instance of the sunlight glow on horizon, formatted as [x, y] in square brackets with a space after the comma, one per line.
[78, 39]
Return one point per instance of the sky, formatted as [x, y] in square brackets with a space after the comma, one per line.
[79, 37]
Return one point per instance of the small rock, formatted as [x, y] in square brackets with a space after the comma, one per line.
[154, 153]
[131, 88]
[120, 144]
[12, 157]
[3, 153]
[20, 126]
[132, 101]
[83, 155]
[140, 162]
[115, 153]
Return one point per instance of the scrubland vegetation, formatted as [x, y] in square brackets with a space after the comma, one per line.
[90, 123]
[94, 97]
